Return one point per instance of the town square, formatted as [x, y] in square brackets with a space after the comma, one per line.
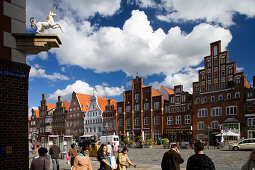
[127, 84]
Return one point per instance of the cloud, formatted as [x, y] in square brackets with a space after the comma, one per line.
[105, 84]
[40, 73]
[185, 77]
[41, 55]
[212, 11]
[240, 69]
[136, 47]
[30, 110]
[63, 69]
[84, 88]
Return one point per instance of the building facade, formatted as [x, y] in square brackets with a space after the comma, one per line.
[45, 117]
[141, 112]
[249, 122]
[178, 116]
[109, 117]
[59, 117]
[218, 96]
[34, 125]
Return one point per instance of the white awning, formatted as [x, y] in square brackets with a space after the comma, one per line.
[229, 133]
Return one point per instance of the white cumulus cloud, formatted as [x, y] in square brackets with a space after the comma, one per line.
[84, 88]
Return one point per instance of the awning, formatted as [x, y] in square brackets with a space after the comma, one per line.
[229, 133]
[55, 136]
[86, 136]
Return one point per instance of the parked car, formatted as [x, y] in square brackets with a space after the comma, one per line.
[245, 144]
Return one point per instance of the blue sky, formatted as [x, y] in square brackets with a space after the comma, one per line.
[106, 43]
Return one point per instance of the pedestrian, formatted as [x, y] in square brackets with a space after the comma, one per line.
[199, 160]
[41, 163]
[73, 153]
[35, 151]
[54, 153]
[82, 161]
[250, 164]
[30, 148]
[102, 157]
[123, 159]
[115, 149]
[109, 149]
[172, 159]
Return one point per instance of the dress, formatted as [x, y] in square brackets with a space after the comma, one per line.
[123, 158]
[82, 162]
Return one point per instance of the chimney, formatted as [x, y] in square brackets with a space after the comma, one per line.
[254, 81]
[43, 96]
[59, 98]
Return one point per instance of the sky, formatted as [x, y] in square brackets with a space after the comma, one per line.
[105, 44]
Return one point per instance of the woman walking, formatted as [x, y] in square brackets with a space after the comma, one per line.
[250, 164]
[73, 153]
[123, 159]
[82, 161]
[102, 157]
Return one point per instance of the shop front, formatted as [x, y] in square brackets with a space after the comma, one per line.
[179, 134]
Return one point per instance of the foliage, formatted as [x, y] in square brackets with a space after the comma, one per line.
[166, 142]
[150, 141]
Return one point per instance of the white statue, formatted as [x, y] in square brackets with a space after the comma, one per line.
[50, 23]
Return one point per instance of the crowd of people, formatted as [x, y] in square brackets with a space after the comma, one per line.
[81, 161]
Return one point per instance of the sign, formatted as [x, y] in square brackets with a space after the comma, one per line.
[12, 74]
[50, 142]
[8, 149]
[208, 130]
[226, 129]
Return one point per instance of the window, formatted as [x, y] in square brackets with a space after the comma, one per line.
[229, 96]
[216, 87]
[78, 108]
[230, 71]
[223, 74]
[187, 119]
[198, 100]
[249, 94]
[172, 99]
[238, 81]
[157, 135]
[231, 110]
[120, 122]
[212, 98]
[169, 120]
[251, 121]
[215, 50]
[128, 108]
[200, 125]
[128, 122]
[215, 75]
[146, 120]
[99, 129]
[205, 99]
[119, 109]
[78, 114]
[146, 106]
[217, 111]
[222, 60]
[137, 107]
[197, 89]
[220, 97]
[71, 115]
[223, 85]
[70, 109]
[177, 109]
[216, 63]
[183, 98]
[156, 105]
[202, 113]
[251, 133]
[237, 94]
[203, 89]
[209, 76]
[178, 119]
[214, 124]
[73, 103]
[178, 90]
[183, 108]
[177, 99]
[203, 77]
[157, 120]
[209, 88]
[172, 109]
[74, 108]
[137, 122]
[136, 96]
[94, 129]
[209, 64]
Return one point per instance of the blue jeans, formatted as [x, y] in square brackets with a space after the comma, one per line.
[55, 164]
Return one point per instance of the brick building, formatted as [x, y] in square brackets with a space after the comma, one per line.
[178, 116]
[141, 111]
[59, 117]
[34, 125]
[218, 96]
[45, 117]
[249, 107]
[109, 117]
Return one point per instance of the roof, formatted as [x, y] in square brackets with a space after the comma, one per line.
[29, 118]
[66, 105]
[246, 83]
[170, 91]
[155, 92]
[37, 113]
[231, 120]
[84, 100]
[143, 86]
[51, 106]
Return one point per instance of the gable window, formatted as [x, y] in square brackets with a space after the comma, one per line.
[172, 99]
[183, 98]
[136, 96]
[216, 63]
[128, 108]
[222, 73]
[209, 88]
[209, 76]
[223, 60]
[146, 106]
[202, 113]
[177, 99]
[231, 110]
[119, 109]
[172, 109]
[249, 94]
[197, 89]
[238, 81]
[177, 109]
[183, 108]
[209, 64]
[137, 107]
[167, 109]
[203, 89]
[156, 105]
[169, 120]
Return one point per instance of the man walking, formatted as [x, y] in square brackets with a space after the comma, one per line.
[200, 160]
[30, 148]
[172, 159]
[54, 153]
[115, 149]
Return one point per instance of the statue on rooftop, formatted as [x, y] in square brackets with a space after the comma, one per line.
[50, 23]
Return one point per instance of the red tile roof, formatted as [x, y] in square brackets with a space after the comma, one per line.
[246, 83]
[29, 118]
[66, 105]
[170, 91]
[155, 92]
[37, 113]
[51, 106]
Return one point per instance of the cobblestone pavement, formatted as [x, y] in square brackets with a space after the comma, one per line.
[148, 158]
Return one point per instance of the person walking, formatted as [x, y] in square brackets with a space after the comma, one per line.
[35, 151]
[82, 160]
[123, 159]
[109, 149]
[41, 163]
[73, 153]
[115, 149]
[54, 153]
[102, 157]
[199, 160]
[250, 164]
[30, 148]
[172, 159]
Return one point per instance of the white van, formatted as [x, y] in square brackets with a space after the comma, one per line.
[110, 138]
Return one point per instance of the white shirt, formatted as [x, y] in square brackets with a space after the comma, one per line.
[109, 148]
